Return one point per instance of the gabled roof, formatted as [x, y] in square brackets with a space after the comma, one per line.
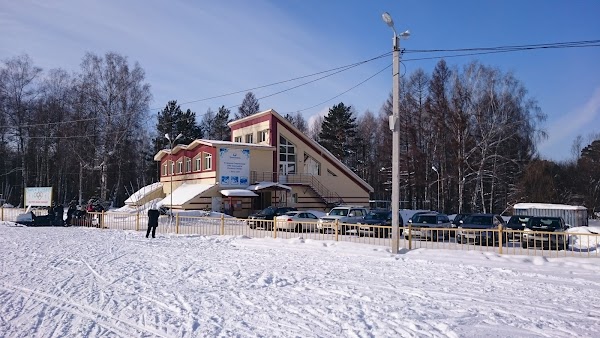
[210, 143]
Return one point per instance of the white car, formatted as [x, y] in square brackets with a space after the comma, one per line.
[298, 221]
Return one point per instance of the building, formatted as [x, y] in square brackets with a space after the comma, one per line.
[269, 162]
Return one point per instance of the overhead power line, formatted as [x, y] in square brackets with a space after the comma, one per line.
[337, 70]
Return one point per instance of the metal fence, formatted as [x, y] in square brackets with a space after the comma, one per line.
[501, 241]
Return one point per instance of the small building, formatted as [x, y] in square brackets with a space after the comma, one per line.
[268, 162]
[573, 215]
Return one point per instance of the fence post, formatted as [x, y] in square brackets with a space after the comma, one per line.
[409, 236]
[2, 213]
[274, 228]
[500, 238]
[137, 221]
[103, 221]
[337, 227]
[222, 224]
[177, 223]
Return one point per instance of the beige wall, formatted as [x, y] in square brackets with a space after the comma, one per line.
[254, 129]
[261, 161]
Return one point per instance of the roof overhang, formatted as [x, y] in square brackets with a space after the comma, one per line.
[271, 186]
[185, 193]
[238, 193]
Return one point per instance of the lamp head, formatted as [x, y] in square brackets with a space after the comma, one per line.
[405, 35]
[167, 136]
[179, 136]
[387, 18]
[434, 168]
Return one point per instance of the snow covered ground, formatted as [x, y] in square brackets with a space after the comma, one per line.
[82, 282]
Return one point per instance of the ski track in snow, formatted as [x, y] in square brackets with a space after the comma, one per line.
[76, 282]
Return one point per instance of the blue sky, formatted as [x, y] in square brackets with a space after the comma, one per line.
[192, 50]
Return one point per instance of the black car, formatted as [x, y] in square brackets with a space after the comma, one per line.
[456, 220]
[478, 224]
[545, 232]
[515, 225]
[256, 220]
[382, 219]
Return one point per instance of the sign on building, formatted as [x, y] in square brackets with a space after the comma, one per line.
[234, 167]
[38, 196]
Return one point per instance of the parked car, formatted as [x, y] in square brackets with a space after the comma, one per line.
[298, 221]
[421, 222]
[545, 232]
[516, 223]
[456, 221]
[377, 223]
[345, 215]
[263, 218]
[478, 223]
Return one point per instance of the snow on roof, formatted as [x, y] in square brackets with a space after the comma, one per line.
[138, 195]
[238, 193]
[184, 193]
[266, 185]
[548, 206]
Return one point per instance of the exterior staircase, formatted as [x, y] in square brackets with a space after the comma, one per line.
[329, 198]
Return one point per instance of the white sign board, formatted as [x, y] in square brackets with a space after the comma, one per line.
[38, 196]
[234, 167]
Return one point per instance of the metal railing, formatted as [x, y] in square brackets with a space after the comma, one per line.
[328, 196]
[501, 241]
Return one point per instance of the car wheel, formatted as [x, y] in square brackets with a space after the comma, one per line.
[524, 245]
[459, 239]
[406, 237]
[322, 230]
[298, 227]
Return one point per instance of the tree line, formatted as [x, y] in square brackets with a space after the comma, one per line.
[468, 137]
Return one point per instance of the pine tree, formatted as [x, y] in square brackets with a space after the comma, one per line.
[173, 121]
[249, 106]
[221, 130]
[338, 133]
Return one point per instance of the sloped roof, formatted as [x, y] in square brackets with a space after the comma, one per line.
[210, 143]
[139, 195]
[184, 193]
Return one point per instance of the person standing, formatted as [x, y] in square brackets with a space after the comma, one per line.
[153, 215]
[70, 212]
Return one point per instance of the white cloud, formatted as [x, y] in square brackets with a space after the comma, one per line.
[563, 131]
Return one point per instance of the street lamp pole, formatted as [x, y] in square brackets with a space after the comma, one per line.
[438, 187]
[172, 165]
[394, 126]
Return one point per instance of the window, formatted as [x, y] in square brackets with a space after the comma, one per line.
[262, 136]
[179, 166]
[287, 156]
[311, 166]
[249, 138]
[197, 166]
[164, 172]
[295, 198]
[207, 161]
[237, 139]
[172, 167]
[330, 173]
[188, 165]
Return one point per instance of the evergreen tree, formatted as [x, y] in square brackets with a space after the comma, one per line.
[338, 133]
[249, 106]
[173, 121]
[207, 124]
[221, 130]
[298, 121]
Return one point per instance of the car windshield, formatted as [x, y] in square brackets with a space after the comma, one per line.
[518, 220]
[377, 215]
[479, 220]
[338, 212]
[543, 223]
[292, 213]
[428, 219]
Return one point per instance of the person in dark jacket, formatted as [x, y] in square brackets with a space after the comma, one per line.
[70, 212]
[153, 215]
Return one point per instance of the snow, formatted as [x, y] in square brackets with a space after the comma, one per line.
[547, 206]
[238, 193]
[265, 185]
[184, 193]
[140, 194]
[87, 282]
